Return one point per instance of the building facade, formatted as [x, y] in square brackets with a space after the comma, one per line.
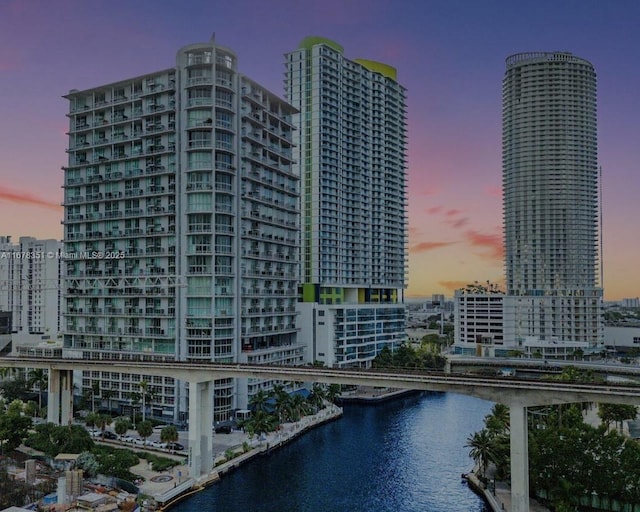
[181, 226]
[29, 288]
[351, 152]
[551, 196]
[479, 321]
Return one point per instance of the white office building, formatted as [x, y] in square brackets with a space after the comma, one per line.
[181, 226]
[479, 323]
[351, 152]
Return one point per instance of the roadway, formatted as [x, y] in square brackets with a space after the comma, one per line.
[497, 389]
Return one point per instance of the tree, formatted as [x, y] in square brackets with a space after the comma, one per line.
[481, 444]
[107, 394]
[14, 389]
[497, 422]
[88, 463]
[31, 408]
[134, 396]
[121, 426]
[318, 395]
[102, 420]
[384, 359]
[144, 387]
[282, 404]
[258, 402]
[95, 390]
[91, 419]
[145, 429]
[169, 434]
[333, 393]
[38, 378]
[260, 423]
[299, 407]
[13, 427]
[616, 413]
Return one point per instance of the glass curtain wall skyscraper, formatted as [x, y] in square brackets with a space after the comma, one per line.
[351, 146]
[551, 196]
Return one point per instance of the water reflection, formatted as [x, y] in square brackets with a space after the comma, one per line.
[402, 456]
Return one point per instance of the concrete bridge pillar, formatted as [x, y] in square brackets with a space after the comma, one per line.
[60, 397]
[519, 458]
[200, 428]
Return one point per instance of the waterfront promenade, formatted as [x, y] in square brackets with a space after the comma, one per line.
[168, 487]
[500, 498]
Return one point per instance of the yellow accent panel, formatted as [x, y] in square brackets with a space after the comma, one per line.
[379, 67]
[361, 296]
[309, 42]
[308, 293]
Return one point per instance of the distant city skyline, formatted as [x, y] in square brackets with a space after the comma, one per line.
[449, 55]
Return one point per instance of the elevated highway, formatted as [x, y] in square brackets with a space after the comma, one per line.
[512, 391]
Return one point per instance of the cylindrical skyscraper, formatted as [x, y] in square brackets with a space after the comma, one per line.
[550, 186]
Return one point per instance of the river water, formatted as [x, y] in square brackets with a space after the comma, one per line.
[405, 455]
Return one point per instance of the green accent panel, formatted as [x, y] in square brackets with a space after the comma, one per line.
[379, 67]
[309, 42]
[308, 293]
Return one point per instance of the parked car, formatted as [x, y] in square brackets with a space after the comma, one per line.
[109, 435]
[175, 446]
[223, 429]
[127, 439]
[158, 444]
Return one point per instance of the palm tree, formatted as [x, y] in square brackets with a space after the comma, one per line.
[5, 372]
[481, 444]
[107, 394]
[318, 395]
[169, 434]
[144, 386]
[299, 407]
[145, 429]
[134, 396]
[95, 390]
[152, 395]
[259, 401]
[498, 421]
[282, 402]
[91, 419]
[333, 392]
[102, 420]
[260, 423]
[121, 426]
[38, 378]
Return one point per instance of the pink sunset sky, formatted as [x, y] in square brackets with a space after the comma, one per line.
[449, 54]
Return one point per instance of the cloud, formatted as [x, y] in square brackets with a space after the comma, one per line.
[433, 210]
[428, 246]
[452, 213]
[430, 190]
[492, 242]
[453, 285]
[25, 198]
[458, 223]
[493, 191]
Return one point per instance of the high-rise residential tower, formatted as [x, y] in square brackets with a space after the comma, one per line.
[181, 226]
[550, 186]
[351, 146]
[29, 288]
